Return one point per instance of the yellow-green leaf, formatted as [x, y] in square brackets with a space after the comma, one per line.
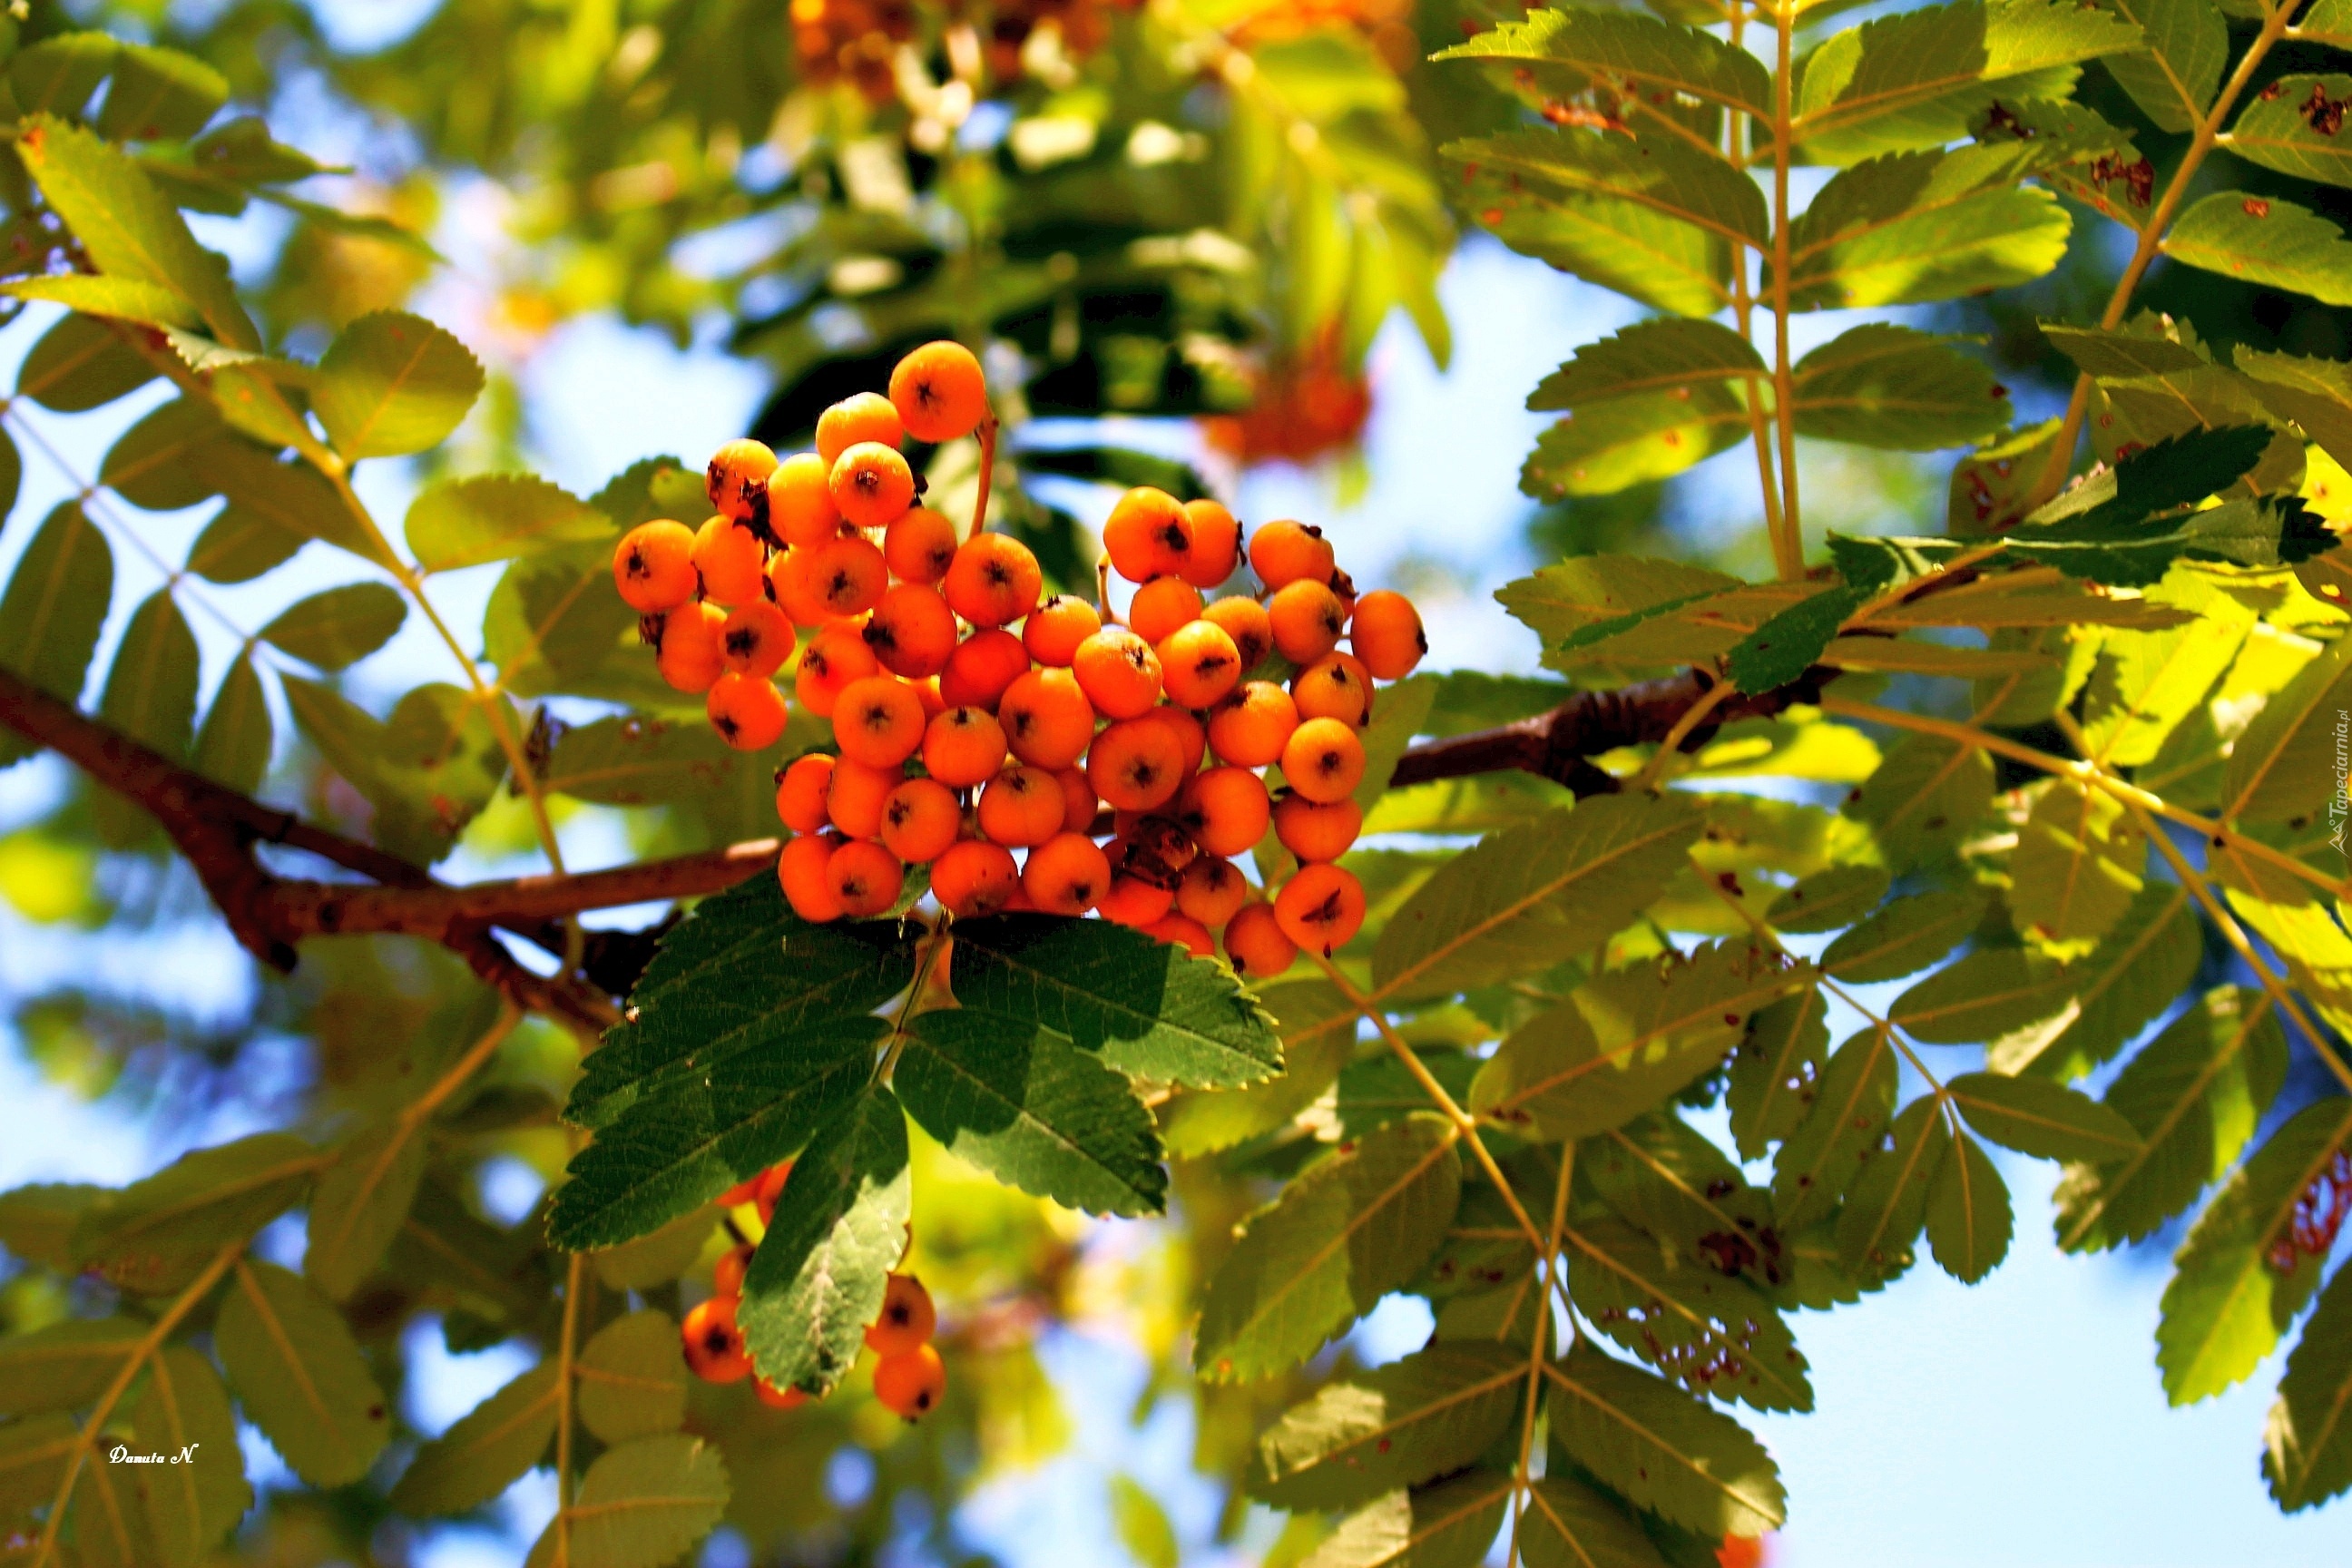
[299, 1375]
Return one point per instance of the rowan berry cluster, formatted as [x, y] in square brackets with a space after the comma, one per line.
[973, 721]
[908, 1375]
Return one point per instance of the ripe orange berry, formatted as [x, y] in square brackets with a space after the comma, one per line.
[792, 583]
[1020, 807]
[1047, 720]
[727, 1274]
[800, 792]
[975, 877]
[800, 504]
[1285, 551]
[690, 655]
[776, 1398]
[921, 820]
[912, 631]
[748, 711]
[871, 484]
[907, 1320]
[1255, 942]
[1191, 737]
[771, 1188]
[731, 560]
[1317, 831]
[1067, 874]
[1182, 930]
[1136, 764]
[1161, 605]
[981, 667]
[1308, 620]
[653, 566]
[1212, 890]
[928, 693]
[1080, 804]
[845, 575]
[994, 580]
[801, 871]
[854, 800]
[1119, 672]
[1323, 760]
[861, 416]
[1321, 908]
[910, 1384]
[1333, 687]
[756, 639]
[1245, 620]
[879, 720]
[1147, 534]
[834, 658]
[714, 1345]
[919, 545]
[1216, 544]
[963, 747]
[865, 878]
[939, 392]
[1133, 902]
[1054, 629]
[1199, 665]
[1225, 810]
[737, 481]
[1386, 633]
[1250, 728]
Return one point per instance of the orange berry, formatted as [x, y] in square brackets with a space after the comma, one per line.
[800, 792]
[1136, 764]
[714, 1345]
[1133, 902]
[1343, 588]
[747, 710]
[1245, 620]
[912, 631]
[1054, 629]
[727, 1274]
[1285, 551]
[845, 576]
[1334, 687]
[1250, 728]
[1216, 544]
[1386, 633]
[740, 1192]
[800, 502]
[1067, 874]
[878, 721]
[919, 545]
[793, 584]
[854, 801]
[776, 1398]
[1256, 944]
[1153, 846]
[653, 566]
[801, 870]
[732, 562]
[756, 639]
[907, 1320]
[1147, 534]
[921, 820]
[1212, 891]
[981, 667]
[1020, 807]
[861, 416]
[1161, 605]
[1308, 619]
[1181, 929]
[771, 1188]
[963, 747]
[1323, 760]
[871, 484]
[1321, 908]
[690, 655]
[1119, 672]
[975, 877]
[1199, 665]
[865, 878]
[1080, 804]
[927, 692]
[1191, 737]
[1047, 720]
[834, 658]
[994, 580]
[1317, 831]
[939, 392]
[1225, 810]
[736, 480]
[913, 1384]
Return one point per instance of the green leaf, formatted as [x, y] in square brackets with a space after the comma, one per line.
[1446, 1524]
[1924, 798]
[1611, 445]
[60, 74]
[1356, 1224]
[117, 298]
[1432, 1412]
[1969, 1218]
[2129, 978]
[1530, 897]
[2048, 1120]
[1907, 936]
[33, 1458]
[2194, 1094]
[1142, 1524]
[156, 1235]
[240, 544]
[1879, 384]
[1318, 1034]
[655, 1258]
[1148, 1008]
[497, 517]
[2239, 1278]
[2079, 863]
[1631, 245]
[1665, 355]
[299, 1375]
[2295, 125]
[186, 1410]
[1022, 1103]
[159, 93]
[1567, 1524]
[2129, 526]
[1774, 1070]
[2147, 682]
[2317, 393]
[839, 1228]
[1710, 1333]
[1847, 1113]
[1881, 1217]
[640, 762]
[632, 1383]
[106, 1520]
[66, 1365]
[1989, 993]
[289, 498]
[641, 1505]
[1785, 646]
[150, 691]
[427, 769]
[689, 1137]
[2172, 75]
[234, 744]
[1914, 227]
[37, 1222]
[391, 383]
[1830, 898]
[1660, 1449]
[148, 465]
[487, 1450]
[55, 607]
[2307, 1442]
[338, 627]
[1402, 712]
[1588, 597]
[2283, 765]
[1614, 47]
[553, 625]
[2263, 240]
[80, 364]
[361, 1203]
[2327, 22]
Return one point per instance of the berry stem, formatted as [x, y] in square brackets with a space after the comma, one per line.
[987, 474]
